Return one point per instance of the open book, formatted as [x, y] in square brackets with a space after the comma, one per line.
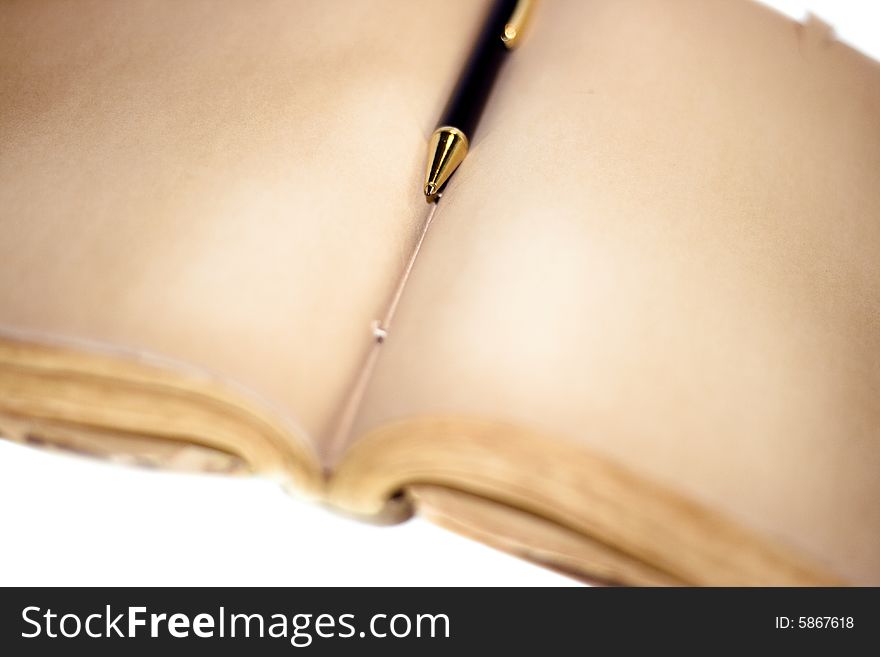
[641, 342]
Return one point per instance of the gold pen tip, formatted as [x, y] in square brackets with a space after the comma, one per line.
[446, 150]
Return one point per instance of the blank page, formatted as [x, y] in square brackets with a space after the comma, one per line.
[231, 184]
[665, 246]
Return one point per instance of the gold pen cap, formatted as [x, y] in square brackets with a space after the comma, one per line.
[513, 29]
[445, 152]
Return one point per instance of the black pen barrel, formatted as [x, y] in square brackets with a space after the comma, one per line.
[478, 77]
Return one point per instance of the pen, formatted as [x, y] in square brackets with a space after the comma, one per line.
[449, 143]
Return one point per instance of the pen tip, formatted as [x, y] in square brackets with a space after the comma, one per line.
[446, 151]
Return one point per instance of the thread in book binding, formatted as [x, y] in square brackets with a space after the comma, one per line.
[379, 333]
[380, 329]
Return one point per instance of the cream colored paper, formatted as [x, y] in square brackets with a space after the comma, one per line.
[231, 184]
[665, 246]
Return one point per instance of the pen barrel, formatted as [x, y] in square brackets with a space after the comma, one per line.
[478, 77]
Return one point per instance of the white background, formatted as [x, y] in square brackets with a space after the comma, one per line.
[68, 521]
